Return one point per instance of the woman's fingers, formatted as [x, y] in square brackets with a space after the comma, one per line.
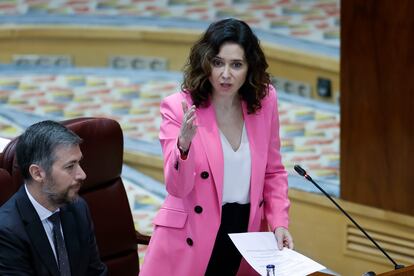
[190, 122]
[283, 238]
[184, 106]
[189, 114]
[188, 126]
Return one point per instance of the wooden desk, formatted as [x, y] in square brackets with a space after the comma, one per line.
[406, 271]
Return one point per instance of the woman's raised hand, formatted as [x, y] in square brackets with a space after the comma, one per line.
[188, 127]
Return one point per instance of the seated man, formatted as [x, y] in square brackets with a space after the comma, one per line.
[46, 228]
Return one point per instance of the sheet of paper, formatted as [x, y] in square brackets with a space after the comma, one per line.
[260, 249]
[3, 143]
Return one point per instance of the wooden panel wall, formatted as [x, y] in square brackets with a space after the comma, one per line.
[377, 103]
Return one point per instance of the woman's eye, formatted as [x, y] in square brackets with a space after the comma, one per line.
[217, 63]
[237, 65]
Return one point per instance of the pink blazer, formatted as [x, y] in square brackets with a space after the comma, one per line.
[188, 221]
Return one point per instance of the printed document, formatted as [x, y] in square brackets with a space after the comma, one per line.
[3, 143]
[260, 249]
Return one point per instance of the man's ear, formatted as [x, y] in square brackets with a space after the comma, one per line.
[37, 173]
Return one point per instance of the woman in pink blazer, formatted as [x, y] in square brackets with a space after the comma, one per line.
[222, 165]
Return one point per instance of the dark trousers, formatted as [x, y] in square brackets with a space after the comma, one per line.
[225, 258]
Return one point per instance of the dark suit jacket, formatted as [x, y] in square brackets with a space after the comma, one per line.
[25, 248]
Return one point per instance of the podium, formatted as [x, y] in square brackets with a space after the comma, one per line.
[406, 271]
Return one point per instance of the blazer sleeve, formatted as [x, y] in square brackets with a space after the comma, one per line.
[179, 174]
[275, 191]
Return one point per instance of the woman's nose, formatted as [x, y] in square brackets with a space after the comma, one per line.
[226, 72]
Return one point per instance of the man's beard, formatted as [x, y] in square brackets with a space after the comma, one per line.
[57, 199]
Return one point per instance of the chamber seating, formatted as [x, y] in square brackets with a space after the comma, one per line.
[6, 190]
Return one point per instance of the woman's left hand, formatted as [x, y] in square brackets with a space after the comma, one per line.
[283, 238]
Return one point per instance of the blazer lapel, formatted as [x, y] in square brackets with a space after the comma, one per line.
[36, 232]
[210, 138]
[70, 233]
[257, 143]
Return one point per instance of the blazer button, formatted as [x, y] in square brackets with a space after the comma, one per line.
[189, 242]
[204, 175]
[198, 209]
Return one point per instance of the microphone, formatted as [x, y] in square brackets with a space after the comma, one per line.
[303, 173]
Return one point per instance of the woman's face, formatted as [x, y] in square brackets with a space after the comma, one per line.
[228, 70]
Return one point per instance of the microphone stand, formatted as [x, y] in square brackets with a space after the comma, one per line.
[303, 173]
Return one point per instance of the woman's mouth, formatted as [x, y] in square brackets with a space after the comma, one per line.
[225, 85]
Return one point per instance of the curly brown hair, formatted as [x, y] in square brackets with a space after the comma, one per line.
[198, 67]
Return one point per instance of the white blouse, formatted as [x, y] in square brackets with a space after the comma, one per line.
[237, 170]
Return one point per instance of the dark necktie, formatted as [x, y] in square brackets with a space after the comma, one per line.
[60, 248]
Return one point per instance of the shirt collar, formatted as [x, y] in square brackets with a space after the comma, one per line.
[41, 211]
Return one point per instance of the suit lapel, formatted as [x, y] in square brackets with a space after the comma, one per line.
[210, 138]
[36, 232]
[71, 238]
